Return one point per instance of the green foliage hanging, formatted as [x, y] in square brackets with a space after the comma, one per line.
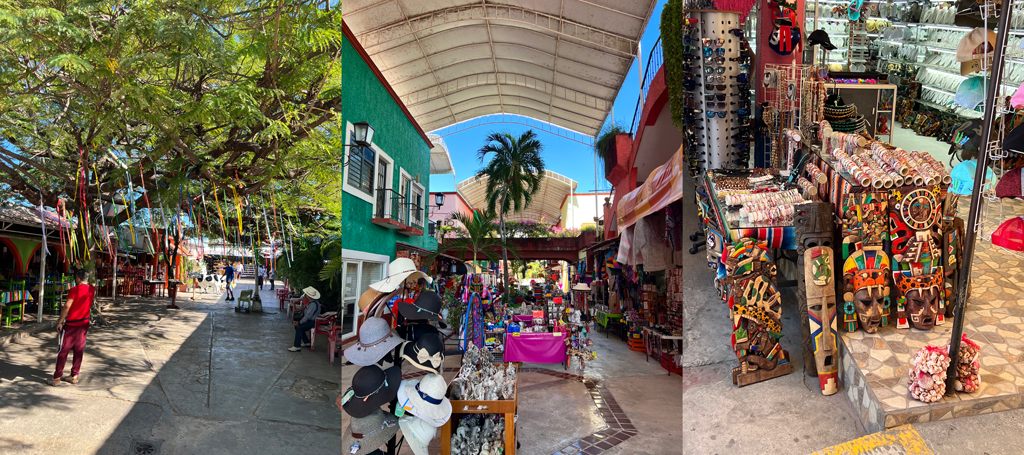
[672, 44]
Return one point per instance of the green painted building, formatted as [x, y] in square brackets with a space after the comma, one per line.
[385, 186]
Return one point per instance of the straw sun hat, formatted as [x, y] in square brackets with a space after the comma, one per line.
[366, 434]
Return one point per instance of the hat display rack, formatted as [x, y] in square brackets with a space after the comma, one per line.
[377, 345]
[716, 143]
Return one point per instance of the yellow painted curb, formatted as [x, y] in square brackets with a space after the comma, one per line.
[905, 436]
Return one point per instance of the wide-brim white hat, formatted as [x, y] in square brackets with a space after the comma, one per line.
[312, 293]
[434, 389]
[410, 408]
[399, 271]
[581, 287]
[418, 433]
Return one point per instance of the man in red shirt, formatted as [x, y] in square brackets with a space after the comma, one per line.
[72, 327]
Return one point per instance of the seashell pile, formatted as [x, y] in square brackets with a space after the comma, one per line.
[968, 368]
[481, 380]
[479, 434]
[927, 378]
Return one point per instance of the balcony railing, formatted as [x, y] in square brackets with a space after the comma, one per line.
[393, 211]
[655, 60]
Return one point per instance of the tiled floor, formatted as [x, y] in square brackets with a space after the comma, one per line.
[876, 365]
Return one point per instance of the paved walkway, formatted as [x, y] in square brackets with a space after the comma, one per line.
[200, 380]
[621, 405]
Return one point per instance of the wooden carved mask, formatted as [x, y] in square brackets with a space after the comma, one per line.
[866, 289]
[821, 316]
[921, 299]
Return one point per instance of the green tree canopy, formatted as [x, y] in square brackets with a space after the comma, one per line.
[234, 96]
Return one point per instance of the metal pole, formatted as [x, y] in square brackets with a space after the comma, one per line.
[971, 237]
[42, 261]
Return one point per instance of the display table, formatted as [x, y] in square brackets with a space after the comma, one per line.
[536, 348]
[507, 408]
[653, 340]
[603, 318]
[781, 236]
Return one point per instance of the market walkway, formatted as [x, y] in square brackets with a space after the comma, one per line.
[558, 411]
[200, 380]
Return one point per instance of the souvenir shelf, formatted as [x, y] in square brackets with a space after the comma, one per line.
[506, 408]
[874, 101]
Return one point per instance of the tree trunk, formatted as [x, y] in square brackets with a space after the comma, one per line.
[504, 251]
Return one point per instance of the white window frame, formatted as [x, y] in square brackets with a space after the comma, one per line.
[417, 188]
[359, 258]
[378, 154]
[407, 177]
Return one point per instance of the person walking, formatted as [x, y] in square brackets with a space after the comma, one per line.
[270, 276]
[229, 278]
[259, 277]
[72, 327]
[309, 314]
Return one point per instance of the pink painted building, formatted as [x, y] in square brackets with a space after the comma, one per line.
[453, 203]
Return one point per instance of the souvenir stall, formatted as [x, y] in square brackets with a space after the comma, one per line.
[379, 401]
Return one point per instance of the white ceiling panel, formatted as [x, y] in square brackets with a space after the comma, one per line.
[559, 61]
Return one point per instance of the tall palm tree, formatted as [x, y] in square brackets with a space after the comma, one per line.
[476, 236]
[513, 176]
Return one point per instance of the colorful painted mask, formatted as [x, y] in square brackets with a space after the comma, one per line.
[821, 315]
[921, 301]
[866, 290]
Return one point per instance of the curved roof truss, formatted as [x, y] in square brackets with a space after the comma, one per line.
[546, 204]
[561, 62]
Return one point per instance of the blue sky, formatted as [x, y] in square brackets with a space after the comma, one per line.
[566, 157]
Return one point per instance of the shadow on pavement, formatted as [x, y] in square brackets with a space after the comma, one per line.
[200, 380]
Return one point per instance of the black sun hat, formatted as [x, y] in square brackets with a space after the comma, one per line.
[427, 353]
[426, 306]
[820, 37]
[371, 388]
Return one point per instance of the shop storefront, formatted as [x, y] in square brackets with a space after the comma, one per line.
[847, 205]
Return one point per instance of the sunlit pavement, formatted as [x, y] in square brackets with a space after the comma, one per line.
[622, 404]
[199, 380]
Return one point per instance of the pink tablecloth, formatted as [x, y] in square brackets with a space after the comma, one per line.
[536, 348]
[524, 320]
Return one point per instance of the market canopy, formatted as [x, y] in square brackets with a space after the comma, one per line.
[440, 159]
[547, 203]
[664, 186]
[562, 62]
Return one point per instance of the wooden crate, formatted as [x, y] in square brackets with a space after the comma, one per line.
[506, 407]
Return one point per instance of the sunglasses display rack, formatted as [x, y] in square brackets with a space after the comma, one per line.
[721, 100]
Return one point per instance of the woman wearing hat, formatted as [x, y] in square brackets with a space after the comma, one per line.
[310, 298]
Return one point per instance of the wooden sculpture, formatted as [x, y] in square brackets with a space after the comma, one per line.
[814, 228]
[866, 290]
[920, 298]
[952, 251]
[821, 315]
[865, 218]
[756, 307]
[914, 216]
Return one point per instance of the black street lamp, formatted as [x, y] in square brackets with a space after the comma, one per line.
[362, 135]
[439, 200]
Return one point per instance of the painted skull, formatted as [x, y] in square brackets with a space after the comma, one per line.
[923, 298]
[866, 287]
